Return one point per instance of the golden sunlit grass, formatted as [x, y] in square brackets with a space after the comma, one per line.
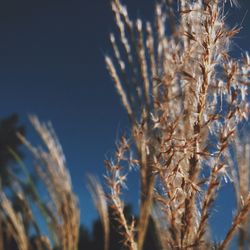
[185, 97]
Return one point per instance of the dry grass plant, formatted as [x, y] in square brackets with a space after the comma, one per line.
[60, 211]
[185, 97]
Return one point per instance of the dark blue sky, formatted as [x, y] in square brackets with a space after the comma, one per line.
[51, 65]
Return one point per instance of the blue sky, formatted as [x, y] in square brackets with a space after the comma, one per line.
[52, 65]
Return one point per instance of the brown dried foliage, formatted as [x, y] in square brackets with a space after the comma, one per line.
[185, 97]
[60, 211]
